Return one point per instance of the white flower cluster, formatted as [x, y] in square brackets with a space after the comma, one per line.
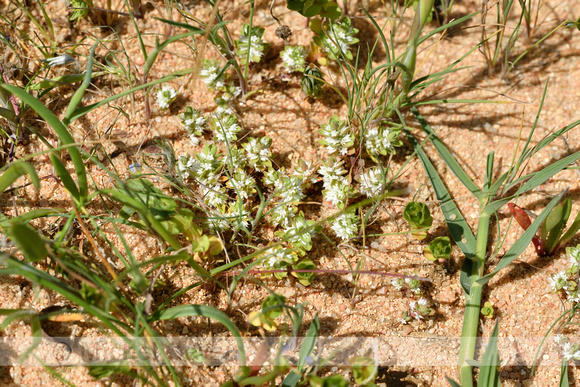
[283, 214]
[214, 196]
[231, 92]
[338, 39]
[307, 171]
[278, 258]
[186, 166]
[194, 123]
[208, 164]
[254, 46]
[299, 231]
[345, 226]
[398, 283]
[413, 284]
[165, 96]
[224, 125]
[289, 191]
[337, 136]
[336, 186]
[258, 152]
[377, 141]
[565, 281]
[242, 183]
[372, 183]
[419, 309]
[210, 72]
[570, 351]
[294, 58]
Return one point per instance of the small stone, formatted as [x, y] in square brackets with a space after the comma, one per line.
[140, 61]
[446, 296]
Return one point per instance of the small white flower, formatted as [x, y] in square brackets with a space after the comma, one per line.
[271, 177]
[337, 136]
[572, 295]
[186, 166]
[345, 226]
[217, 222]
[339, 38]
[332, 172]
[559, 281]
[214, 196]
[255, 46]
[242, 183]
[398, 283]
[414, 285]
[574, 257]
[282, 215]
[567, 351]
[338, 191]
[232, 92]
[59, 60]
[307, 171]
[372, 183]
[291, 190]
[225, 127]
[558, 339]
[296, 233]
[258, 152]
[210, 74]
[294, 58]
[278, 259]
[165, 96]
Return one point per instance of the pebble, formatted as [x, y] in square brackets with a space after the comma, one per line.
[140, 61]
[446, 296]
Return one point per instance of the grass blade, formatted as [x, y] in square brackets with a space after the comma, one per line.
[458, 227]
[523, 242]
[17, 169]
[86, 109]
[534, 180]
[78, 95]
[488, 371]
[61, 132]
[309, 342]
[446, 156]
[564, 382]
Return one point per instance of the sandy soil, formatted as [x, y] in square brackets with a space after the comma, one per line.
[371, 307]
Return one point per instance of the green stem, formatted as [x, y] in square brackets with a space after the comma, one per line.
[473, 302]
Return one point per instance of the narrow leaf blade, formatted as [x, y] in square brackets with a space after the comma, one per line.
[523, 242]
[446, 155]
